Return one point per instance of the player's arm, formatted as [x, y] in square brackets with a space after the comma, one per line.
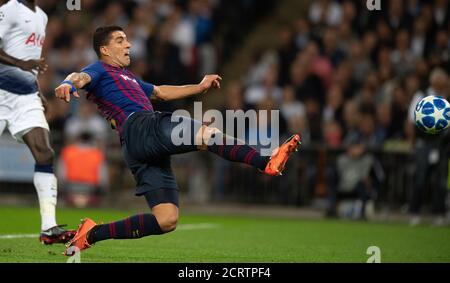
[166, 92]
[26, 65]
[71, 84]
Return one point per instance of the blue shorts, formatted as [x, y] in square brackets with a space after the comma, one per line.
[147, 148]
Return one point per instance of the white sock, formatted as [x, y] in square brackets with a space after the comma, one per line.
[46, 187]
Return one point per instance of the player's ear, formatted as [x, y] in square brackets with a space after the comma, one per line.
[104, 51]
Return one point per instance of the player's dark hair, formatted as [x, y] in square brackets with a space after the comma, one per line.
[102, 36]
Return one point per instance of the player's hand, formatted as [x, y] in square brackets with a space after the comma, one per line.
[33, 65]
[63, 92]
[210, 81]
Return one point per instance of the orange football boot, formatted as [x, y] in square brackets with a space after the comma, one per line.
[80, 239]
[280, 156]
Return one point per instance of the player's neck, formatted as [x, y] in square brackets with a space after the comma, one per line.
[111, 62]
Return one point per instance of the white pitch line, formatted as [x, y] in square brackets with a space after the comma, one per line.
[179, 227]
[19, 236]
[197, 226]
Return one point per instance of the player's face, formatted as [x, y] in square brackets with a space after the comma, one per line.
[119, 48]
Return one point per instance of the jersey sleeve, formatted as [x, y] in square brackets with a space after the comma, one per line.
[95, 71]
[8, 14]
[148, 88]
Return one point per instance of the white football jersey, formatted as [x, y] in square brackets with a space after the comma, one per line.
[22, 35]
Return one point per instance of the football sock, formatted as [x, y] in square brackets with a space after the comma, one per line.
[46, 187]
[133, 227]
[231, 150]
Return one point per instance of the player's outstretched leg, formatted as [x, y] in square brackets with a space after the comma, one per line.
[163, 219]
[45, 183]
[243, 153]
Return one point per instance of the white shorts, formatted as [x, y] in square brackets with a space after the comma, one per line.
[21, 113]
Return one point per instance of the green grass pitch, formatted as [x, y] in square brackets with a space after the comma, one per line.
[202, 238]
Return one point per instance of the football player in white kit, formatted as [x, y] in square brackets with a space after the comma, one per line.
[22, 34]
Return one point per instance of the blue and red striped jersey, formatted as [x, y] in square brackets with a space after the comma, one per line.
[117, 92]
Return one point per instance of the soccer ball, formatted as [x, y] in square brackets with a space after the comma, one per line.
[432, 114]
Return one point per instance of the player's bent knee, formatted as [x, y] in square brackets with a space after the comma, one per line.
[167, 216]
[168, 223]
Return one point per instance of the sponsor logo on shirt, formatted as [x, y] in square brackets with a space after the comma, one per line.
[127, 78]
[35, 40]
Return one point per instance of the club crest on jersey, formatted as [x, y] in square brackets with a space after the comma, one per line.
[127, 78]
[113, 123]
[36, 41]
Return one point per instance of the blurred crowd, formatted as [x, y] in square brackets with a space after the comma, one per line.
[343, 62]
[349, 78]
